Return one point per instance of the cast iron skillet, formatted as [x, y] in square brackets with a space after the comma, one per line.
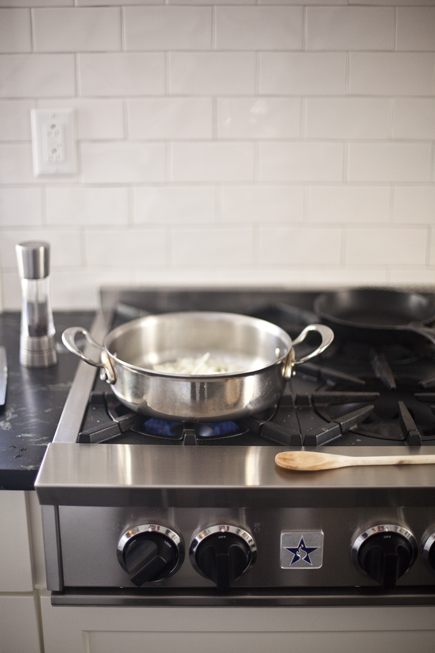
[377, 315]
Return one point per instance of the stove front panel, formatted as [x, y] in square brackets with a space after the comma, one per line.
[296, 547]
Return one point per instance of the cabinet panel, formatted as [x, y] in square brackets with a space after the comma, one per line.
[15, 560]
[18, 625]
[212, 642]
[195, 630]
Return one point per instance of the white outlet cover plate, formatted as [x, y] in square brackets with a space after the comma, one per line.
[53, 142]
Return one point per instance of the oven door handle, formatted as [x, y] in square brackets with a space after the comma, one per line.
[69, 340]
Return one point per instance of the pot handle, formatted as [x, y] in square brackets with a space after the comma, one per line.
[68, 339]
[325, 333]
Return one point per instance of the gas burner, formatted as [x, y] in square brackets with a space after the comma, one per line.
[108, 420]
[173, 429]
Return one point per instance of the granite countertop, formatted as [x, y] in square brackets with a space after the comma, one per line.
[34, 401]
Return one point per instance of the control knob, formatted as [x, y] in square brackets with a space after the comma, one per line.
[223, 553]
[149, 553]
[385, 553]
[428, 550]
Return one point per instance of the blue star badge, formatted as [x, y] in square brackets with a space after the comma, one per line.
[301, 552]
[301, 549]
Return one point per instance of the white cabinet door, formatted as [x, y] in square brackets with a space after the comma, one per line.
[18, 624]
[237, 630]
[15, 559]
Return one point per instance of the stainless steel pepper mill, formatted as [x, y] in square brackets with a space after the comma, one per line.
[37, 341]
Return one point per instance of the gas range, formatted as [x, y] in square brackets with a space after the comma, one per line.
[138, 510]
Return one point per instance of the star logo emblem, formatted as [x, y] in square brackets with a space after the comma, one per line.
[301, 552]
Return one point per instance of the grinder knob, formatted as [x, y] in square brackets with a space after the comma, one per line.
[385, 553]
[223, 553]
[149, 553]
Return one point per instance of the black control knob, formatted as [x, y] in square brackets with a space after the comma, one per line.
[149, 553]
[223, 553]
[428, 550]
[385, 553]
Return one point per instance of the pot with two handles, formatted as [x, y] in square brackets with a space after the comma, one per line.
[259, 354]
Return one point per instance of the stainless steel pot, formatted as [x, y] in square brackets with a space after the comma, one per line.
[262, 350]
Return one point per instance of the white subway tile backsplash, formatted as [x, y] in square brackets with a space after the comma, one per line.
[174, 204]
[212, 162]
[15, 120]
[415, 277]
[392, 2]
[170, 118]
[16, 164]
[124, 248]
[347, 118]
[414, 118]
[265, 117]
[212, 73]
[301, 161]
[168, 28]
[302, 246]
[80, 289]
[416, 28]
[414, 204]
[211, 2]
[302, 73]
[37, 75]
[220, 275]
[233, 142]
[123, 162]
[36, 3]
[344, 277]
[211, 246]
[305, 3]
[389, 162]
[95, 119]
[117, 3]
[350, 28]
[382, 246]
[432, 254]
[76, 30]
[391, 73]
[12, 293]
[21, 207]
[254, 204]
[259, 28]
[65, 249]
[15, 32]
[86, 206]
[348, 204]
[123, 74]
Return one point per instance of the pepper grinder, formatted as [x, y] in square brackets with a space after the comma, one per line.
[37, 342]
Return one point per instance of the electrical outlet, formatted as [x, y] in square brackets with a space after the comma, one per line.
[54, 142]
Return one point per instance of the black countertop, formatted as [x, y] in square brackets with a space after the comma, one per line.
[34, 401]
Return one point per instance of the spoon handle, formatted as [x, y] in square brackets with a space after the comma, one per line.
[311, 461]
[425, 459]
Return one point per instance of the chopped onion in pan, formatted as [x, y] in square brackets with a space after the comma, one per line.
[197, 365]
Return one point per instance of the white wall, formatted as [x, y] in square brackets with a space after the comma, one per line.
[222, 142]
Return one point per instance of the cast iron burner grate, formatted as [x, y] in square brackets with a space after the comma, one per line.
[108, 420]
[353, 395]
[391, 407]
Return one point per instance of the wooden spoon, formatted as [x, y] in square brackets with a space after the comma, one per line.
[313, 461]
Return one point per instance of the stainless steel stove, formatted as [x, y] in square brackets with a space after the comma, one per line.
[138, 510]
